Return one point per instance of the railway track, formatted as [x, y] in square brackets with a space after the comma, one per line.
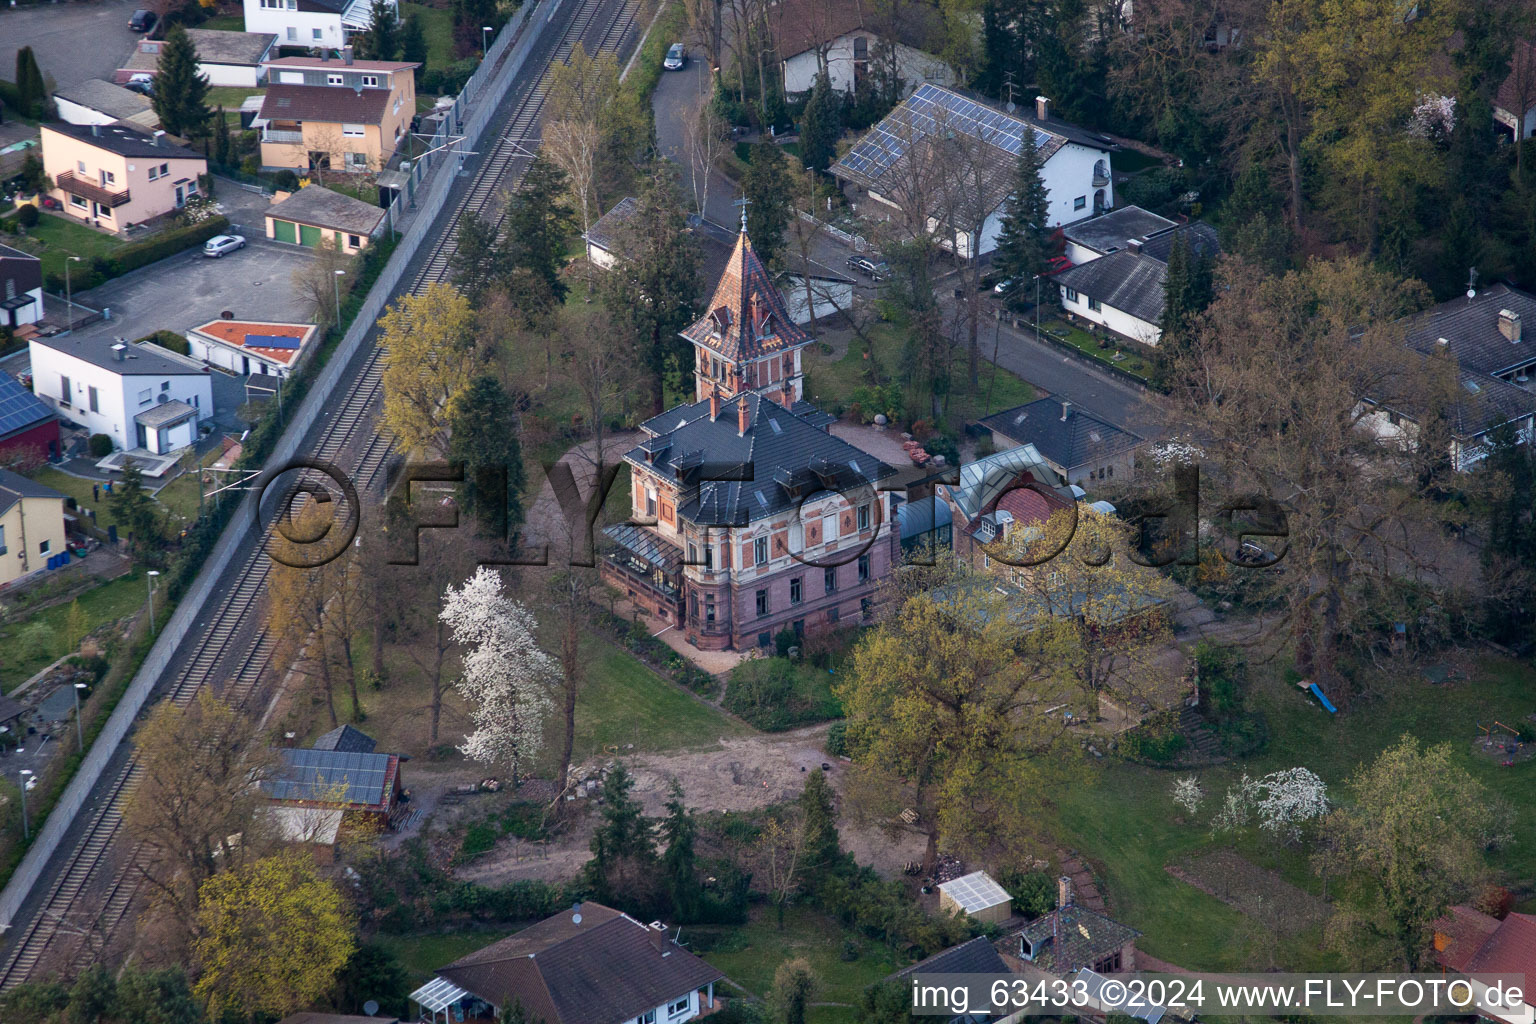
[236, 649]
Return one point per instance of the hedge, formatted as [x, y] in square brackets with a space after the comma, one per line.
[141, 254]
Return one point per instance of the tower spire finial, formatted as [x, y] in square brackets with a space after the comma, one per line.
[743, 202]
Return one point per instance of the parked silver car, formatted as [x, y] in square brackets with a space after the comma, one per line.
[677, 56]
[218, 245]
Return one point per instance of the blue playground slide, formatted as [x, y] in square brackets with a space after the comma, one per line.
[1324, 700]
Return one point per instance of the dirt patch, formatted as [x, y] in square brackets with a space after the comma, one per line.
[1260, 893]
[1502, 748]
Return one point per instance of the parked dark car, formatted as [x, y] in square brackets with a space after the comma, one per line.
[143, 21]
[869, 268]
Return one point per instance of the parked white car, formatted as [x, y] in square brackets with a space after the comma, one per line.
[677, 56]
[218, 245]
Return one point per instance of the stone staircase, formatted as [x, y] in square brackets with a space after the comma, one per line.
[1199, 734]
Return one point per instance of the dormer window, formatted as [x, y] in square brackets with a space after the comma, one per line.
[335, 80]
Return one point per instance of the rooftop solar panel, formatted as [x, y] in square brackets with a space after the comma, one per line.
[271, 341]
[975, 891]
[19, 408]
[332, 777]
[926, 113]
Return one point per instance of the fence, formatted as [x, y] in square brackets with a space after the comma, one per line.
[179, 628]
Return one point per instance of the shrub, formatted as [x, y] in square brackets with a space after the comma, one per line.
[1033, 892]
[27, 216]
[837, 739]
[775, 694]
[10, 225]
[286, 180]
[1156, 742]
[167, 243]
[100, 445]
[786, 639]
[171, 340]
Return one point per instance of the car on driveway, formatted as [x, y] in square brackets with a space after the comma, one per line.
[677, 56]
[869, 268]
[143, 21]
[218, 245]
[141, 83]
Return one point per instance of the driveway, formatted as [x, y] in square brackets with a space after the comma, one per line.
[186, 290]
[72, 41]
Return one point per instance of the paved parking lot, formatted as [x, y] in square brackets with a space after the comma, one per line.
[185, 290]
[72, 41]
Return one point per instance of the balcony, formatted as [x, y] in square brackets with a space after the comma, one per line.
[1100, 179]
[293, 138]
[85, 188]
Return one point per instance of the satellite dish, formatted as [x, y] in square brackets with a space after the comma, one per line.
[371, 1007]
[575, 919]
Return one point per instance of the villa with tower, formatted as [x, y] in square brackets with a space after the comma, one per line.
[749, 517]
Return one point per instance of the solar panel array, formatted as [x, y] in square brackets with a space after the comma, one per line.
[975, 891]
[271, 341]
[19, 408]
[926, 113]
[323, 774]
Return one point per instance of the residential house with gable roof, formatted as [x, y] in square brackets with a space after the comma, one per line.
[1469, 941]
[312, 23]
[915, 155]
[32, 530]
[749, 516]
[1081, 448]
[21, 288]
[113, 176]
[849, 39]
[339, 114]
[587, 965]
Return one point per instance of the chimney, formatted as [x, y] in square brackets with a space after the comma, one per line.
[1063, 892]
[159, 137]
[1509, 324]
[325, 56]
[714, 403]
[346, 55]
[787, 394]
[1066, 411]
[119, 349]
[741, 415]
[1135, 244]
[96, 129]
[1042, 108]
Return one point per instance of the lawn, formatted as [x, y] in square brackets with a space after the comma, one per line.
[80, 490]
[624, 702]
[1124, 822]
[225, 23]
[230, 97]
[751, 953]
[420, 955]
[55, 238]
[1132, 362]
[437, 27]
[102, 604]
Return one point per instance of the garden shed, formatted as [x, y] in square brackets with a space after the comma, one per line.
[978, 895]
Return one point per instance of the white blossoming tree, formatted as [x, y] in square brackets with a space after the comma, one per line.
[1289, 799]
[1237, 807]
[1188, 794]
[507, 678]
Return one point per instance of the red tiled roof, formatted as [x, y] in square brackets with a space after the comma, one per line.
[747, 318]
[235, 332]
[1523, 65]
[1510, 949]
[1461, 934]
[1028, 507]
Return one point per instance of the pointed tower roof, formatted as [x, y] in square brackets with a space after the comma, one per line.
[747, 317]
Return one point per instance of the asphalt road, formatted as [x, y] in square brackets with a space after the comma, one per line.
[72, 41]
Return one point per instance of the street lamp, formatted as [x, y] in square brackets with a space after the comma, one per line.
[485, 41]
[336, 291]
[26, 827]
[149, 578]
[79, 728]
[69, 302]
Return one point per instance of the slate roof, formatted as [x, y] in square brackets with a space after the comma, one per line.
[14, 487]
[604, 968]
[20, 409]
[746, 317]
[1110, 231]
[1471, 327]
[1128, 281]
[1486, 402]
[124, 140]
[1073, 937]
[112, 100]
[318, 205]
[11, 709]
[1080, 440]
[782, 452]
[974, 957]
[140, 359]
[345, 739]
[328, 103]
[11, 253]
[1199, 235]
[213, 46]
[605, 231]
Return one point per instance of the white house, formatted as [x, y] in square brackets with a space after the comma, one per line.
[587, 965]
[842, 37]
[1087, 240]
[233, 59]
[251, 346]
[1124, 290]
[21, 288]
[140, 395]
[312, 23]
[1514, 106]
[959, 154]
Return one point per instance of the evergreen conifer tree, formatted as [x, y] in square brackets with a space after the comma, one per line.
[181, 89]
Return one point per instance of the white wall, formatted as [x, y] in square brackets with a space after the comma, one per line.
[303, 23]
[1080, 253]
[601, 257]
[1068, 174]
[1116, 320]
[118, 398]
[239, 76]
[28, 314]
[914, 66]
[232, 359]
[79, 113]
[1507, 118]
